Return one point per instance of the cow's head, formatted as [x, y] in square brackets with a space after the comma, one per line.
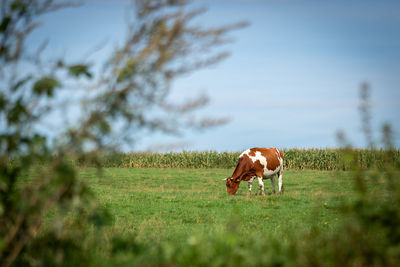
[232, 185]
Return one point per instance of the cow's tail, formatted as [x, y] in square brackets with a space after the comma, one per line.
[282, 157]
[281, 153]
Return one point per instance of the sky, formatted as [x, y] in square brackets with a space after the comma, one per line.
[293, 77]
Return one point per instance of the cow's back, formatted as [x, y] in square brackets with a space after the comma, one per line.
[271, 159]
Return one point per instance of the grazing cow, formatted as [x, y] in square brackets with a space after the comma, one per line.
[260, 163]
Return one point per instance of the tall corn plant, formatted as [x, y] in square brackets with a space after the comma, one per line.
[328, 159]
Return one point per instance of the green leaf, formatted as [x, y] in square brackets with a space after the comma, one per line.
[4, 52]
[17, 112]
[45, 85]
[4, 24]
[123, 244]
[104, 127]
[65, 175]
[79, 70]
[60, 63]
[128, 71]
[3, 101]
[18, 6]
[101, 217]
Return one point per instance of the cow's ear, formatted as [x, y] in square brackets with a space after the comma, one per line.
[237, 180]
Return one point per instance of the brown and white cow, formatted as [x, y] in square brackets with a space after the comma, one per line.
[260, 163]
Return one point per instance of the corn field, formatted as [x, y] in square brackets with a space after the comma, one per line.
[295, 159]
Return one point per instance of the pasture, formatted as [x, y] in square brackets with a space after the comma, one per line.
[173, 205]
[184, 217]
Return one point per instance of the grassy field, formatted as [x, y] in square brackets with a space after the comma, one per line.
[184, 217]
[172, 205]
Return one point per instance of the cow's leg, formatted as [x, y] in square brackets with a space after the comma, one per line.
[250, 183]
[273, 183]
[281, 189]
[261, 183]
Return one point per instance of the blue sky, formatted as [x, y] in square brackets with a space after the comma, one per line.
[293, 76]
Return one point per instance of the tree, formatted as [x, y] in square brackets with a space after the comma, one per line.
[126, 96]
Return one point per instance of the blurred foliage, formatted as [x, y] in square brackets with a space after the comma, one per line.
[80, 70]
[45, 85]
[46, 212]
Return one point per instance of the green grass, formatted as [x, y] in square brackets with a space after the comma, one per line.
[171, 205]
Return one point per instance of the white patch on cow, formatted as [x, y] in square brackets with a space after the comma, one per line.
[250, 183]
[267, 173]
[258, 156]
[245, 152]
[279, 157]
[263, 161]
[261, 183]
[280, 182]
